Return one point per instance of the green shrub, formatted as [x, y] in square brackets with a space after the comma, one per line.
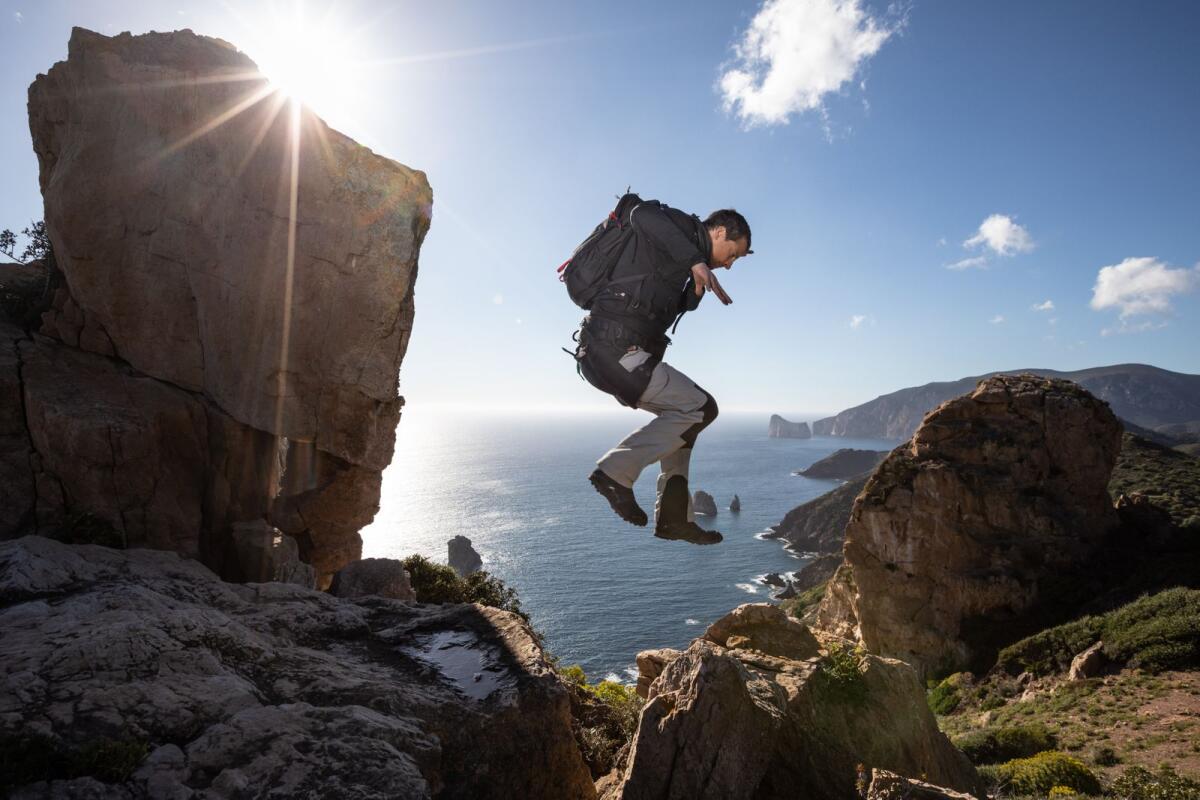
[1062, 791]
[1041, 773]
[1155, 633]
[438, 583]
[995, 745]
[841, 673]
[606, 714]
[1106, 757]
[801, 603]
[945, 696]
[1138, 783]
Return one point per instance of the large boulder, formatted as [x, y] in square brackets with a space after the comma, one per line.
[261, 689]
[385, 577]
[737, 721]
[997, 498]
[206, 248]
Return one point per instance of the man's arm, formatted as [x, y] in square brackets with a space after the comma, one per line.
[653, 222]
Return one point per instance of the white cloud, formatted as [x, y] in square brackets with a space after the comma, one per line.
[996, 320]
[1046, 306]
[796, 52]
[976, 262]
[857, 320]
[18, 16]
[1141, 286]
[941, 242]
[1002, 236]
[498, 299]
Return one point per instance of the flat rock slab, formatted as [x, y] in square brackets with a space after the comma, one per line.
[244, 689]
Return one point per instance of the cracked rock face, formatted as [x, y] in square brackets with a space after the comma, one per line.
[757, 717]
[194, 256]
[959, 533]
[245, 690]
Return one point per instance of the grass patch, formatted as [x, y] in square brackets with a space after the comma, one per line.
[801, 603]
[1153, 633]
[606, 715]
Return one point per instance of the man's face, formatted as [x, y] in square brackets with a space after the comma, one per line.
[725, 251]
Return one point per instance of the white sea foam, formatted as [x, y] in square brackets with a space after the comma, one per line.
[691, 621]
[632, 672]
[748, 588]
[612, 676]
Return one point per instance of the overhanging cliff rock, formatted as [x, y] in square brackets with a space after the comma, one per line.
[219, 242]
[998, 497]
[250, 690]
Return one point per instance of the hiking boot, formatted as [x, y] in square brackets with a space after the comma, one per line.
[619, 497]
[687, 531]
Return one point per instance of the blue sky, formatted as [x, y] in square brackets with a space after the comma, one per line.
[1059, 138]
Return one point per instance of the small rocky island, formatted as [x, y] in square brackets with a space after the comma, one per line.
[704, 504]
[780, 428]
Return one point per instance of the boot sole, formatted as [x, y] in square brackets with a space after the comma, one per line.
[689, 539]
[613, 503]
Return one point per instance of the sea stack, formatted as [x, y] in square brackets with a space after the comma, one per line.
[463, 558]
[780, 428]
[704, 504]
[735, 504]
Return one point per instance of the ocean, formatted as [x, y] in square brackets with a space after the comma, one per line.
[598, 589]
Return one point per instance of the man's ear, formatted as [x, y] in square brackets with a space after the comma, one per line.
[718, 233]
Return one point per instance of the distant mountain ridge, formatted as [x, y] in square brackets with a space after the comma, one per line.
[1148, 396]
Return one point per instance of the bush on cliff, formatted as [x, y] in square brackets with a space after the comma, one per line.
[1138, 783]
[996, 745]
[606, 715]
[438, 583]
[1154, 633]
[841, 675]
[1041, 773]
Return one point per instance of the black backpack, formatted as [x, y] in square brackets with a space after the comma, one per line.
[589, 269]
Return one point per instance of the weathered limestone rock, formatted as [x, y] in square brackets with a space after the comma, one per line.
[887, 785]
[383, 577]
[959, 532]
[267, 554]
[462, 556]
[650, 664]
[765, 628]
[256, 689]
[780, 428]
[743, 723]
[194, 255]
[1088, 664]
[704, 504]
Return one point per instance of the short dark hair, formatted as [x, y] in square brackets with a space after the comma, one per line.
[734, 223]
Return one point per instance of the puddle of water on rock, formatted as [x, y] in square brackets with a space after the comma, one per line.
[473, 668]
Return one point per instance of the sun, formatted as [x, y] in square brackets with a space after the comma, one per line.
[308, 57]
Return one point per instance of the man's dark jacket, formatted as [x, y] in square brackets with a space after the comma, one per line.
[638, 313]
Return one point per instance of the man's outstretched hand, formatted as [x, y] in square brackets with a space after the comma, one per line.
[705, 279]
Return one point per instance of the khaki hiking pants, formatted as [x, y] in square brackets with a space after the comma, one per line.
[681, 410]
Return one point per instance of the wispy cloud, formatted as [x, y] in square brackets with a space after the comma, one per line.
[975, 262]
[1046, 306]
[795, 52]
[857, 320]
[1002, 235]
[19, 17]
[996, 320]
[1139, 286]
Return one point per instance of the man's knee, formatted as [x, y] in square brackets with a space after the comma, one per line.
[708, 413]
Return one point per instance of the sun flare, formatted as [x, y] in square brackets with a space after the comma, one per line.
[308, 58]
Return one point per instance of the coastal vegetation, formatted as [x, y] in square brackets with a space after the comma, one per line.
[438, 583]
[606, 717]
[1168, 477]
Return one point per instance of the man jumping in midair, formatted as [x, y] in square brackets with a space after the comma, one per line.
[662, 274]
